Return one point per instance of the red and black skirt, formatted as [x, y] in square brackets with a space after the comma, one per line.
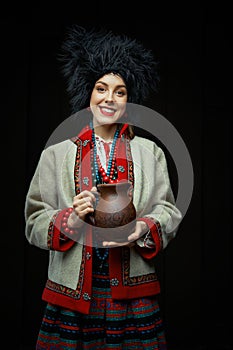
[132, 324]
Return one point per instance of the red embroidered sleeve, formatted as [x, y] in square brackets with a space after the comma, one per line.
[58, 238]
[152, 240]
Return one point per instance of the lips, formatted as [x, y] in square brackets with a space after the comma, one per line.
[107, 111]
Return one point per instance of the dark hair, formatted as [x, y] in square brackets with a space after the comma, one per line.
[88, 55]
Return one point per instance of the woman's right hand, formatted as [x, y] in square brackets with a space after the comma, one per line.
[82, 206]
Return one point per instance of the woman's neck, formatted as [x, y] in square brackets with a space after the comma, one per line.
[106, 132]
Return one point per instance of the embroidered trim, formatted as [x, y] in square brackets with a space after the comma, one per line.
[130, 161]
[132, 281]
[55, 287]
[77, 166]
[159, 230]
[51, 230]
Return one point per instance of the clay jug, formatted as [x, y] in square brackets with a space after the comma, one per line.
[114, 217]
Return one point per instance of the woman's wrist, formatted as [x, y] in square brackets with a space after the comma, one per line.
[70, 224]
[73, 221]
[66, 229]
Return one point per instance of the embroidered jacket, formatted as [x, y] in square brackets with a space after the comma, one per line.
[62, 172]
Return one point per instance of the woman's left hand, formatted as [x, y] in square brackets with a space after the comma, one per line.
[140, 229]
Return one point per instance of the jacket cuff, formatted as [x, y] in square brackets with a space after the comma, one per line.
[57, 240]
[156, 235]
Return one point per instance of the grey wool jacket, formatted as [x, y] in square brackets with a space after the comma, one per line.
[52, 189]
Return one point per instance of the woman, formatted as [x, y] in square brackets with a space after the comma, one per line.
[102, 297]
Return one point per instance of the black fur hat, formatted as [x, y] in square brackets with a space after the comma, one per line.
[88, 55]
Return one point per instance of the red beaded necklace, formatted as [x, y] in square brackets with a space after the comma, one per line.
[100, 175]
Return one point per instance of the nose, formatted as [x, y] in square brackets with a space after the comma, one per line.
[109, 97]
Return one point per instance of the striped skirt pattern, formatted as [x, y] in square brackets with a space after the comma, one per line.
[132, 324]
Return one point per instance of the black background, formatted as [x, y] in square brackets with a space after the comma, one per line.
[193, 45]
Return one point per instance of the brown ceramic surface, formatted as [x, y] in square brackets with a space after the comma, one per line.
[114, 215]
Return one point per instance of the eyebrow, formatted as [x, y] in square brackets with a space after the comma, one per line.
[102, 82]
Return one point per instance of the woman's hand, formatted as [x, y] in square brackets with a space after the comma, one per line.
[141, 228]
[82, 206]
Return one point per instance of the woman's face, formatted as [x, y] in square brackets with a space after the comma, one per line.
[108, 99]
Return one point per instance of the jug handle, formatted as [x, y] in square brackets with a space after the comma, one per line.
[91, 219]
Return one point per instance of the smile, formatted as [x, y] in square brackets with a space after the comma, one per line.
[107, 111]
